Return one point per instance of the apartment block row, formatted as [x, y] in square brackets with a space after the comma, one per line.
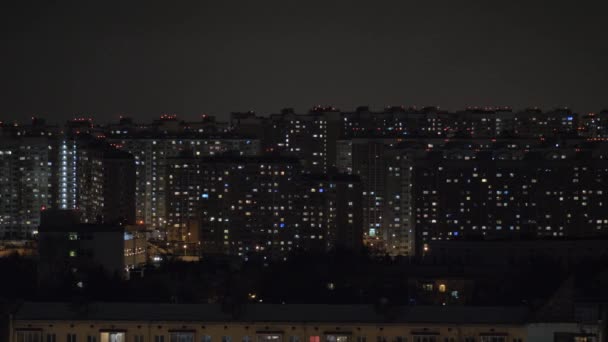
[143, 322]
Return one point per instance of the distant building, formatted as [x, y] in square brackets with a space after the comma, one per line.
[333, 204]
[396, 152]
[152, 146]
[67, 174]
[509, 192]
[304, 137]
[249, 205]
[260, 206]
[28, 170]
[420, 190]
[105, 184]
[310, 137]
[535, 123]
[387, 205]
[568, 253]
[594, 125]
[184, 185]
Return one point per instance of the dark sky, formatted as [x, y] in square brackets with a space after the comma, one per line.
[143, 58]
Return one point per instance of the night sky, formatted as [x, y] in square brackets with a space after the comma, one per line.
[143, 58]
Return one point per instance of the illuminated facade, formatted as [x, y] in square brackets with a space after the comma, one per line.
[260, 206]
[332, 205]
[473, 122]
[419, 190]
[306, 138]
[250, 206]
[27, 183]
[309, 137]
[152, 150]
[386, 192]
[506, 193]
[68, 161]
[369, 164]
[594, 125]
[184, 184]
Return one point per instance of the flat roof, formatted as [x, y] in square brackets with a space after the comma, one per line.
[288, 313]
[56, 227]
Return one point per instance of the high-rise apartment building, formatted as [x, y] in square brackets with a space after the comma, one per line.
[420, 190]
[152, 149]
[250, 206]
[510, 192]
[27, 181]
[332, 204]
[385, 184]
[67, 174]
[184, 215]
[105, 184]
[310, 137]
[260, 206]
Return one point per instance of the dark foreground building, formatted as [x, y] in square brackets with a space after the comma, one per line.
[66, 246]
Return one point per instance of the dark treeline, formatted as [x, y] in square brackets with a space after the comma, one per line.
[333, 278]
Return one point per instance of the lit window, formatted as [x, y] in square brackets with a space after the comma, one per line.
[112, 336]
[179, 337]
[337, 338]
[269, 338]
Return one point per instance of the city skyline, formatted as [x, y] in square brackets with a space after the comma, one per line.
[303, 171]
[406, 109]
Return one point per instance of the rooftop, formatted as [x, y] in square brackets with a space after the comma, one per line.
[318, 313]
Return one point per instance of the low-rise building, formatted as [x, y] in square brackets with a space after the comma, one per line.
[120, 322]
[148, 322]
